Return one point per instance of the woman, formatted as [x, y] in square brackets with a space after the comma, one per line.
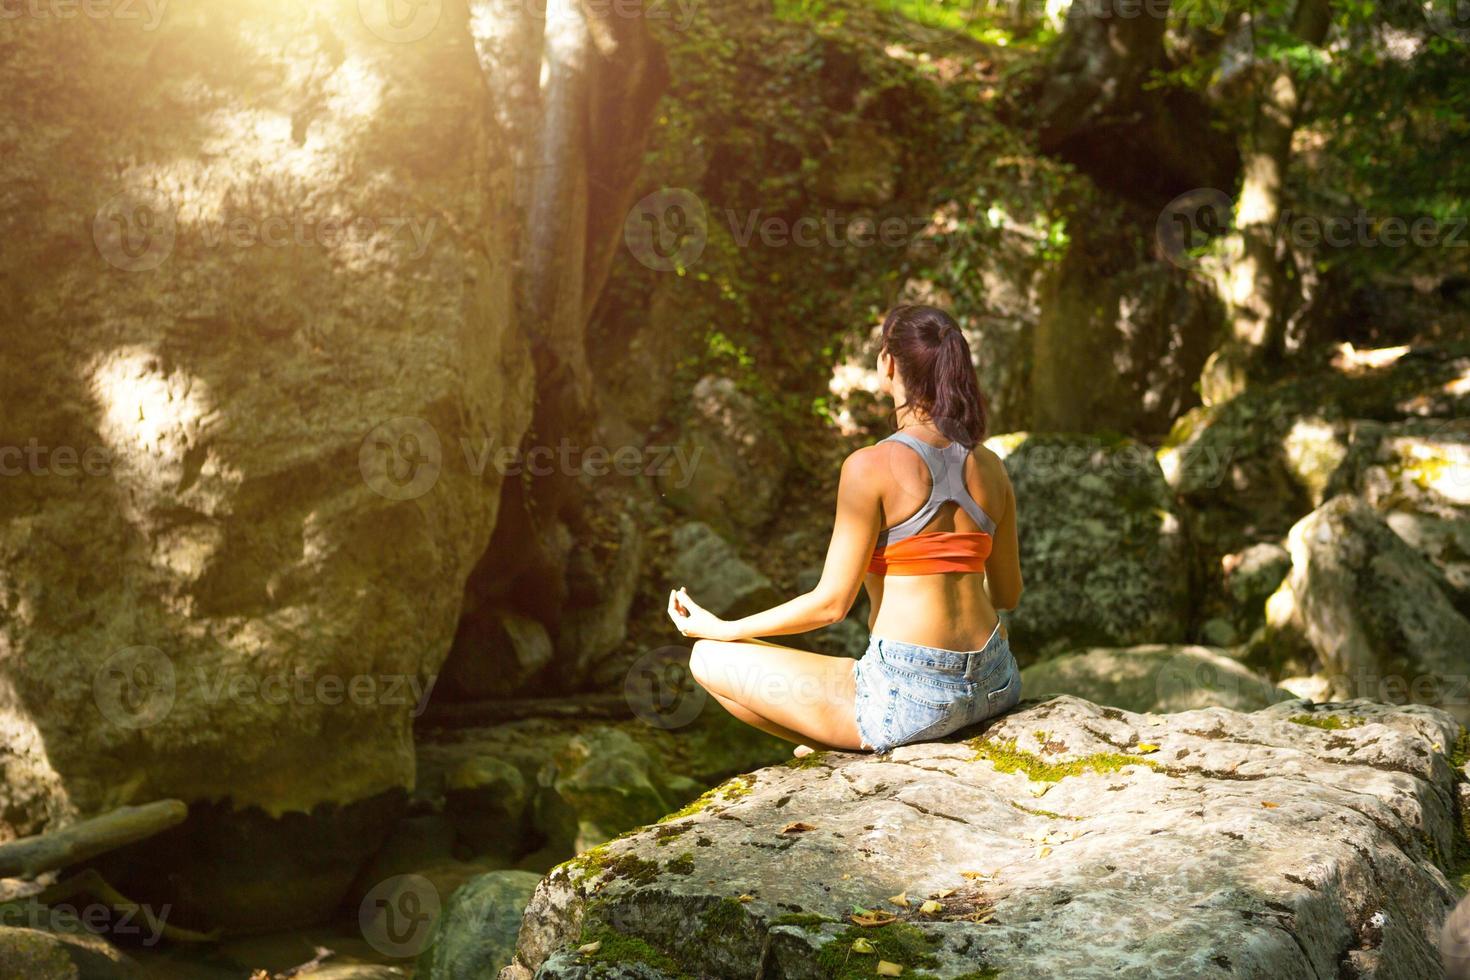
[926, 520]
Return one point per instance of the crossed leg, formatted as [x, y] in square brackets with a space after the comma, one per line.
[793, 694]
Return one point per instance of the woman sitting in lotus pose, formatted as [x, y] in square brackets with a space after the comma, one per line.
[926, 520]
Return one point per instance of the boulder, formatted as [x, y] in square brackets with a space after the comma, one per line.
[731, 457]
[1061, 840]
[253, 402]
[538, 791]
[1377, 615]
[1153, 677]
[36, 954]
[716, 577]
[475, 934]
[1103, 550]
[602, 579]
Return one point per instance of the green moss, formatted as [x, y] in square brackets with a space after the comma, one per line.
[727, 915]
[1458, 869]
[618, 948]
[1007, 758]
[667, 835]
[805, 920]
[1038, 812]
[727, 792]
[681, 865]
[1329, 723]
[598, 861]
[807, 761]
[897, 942]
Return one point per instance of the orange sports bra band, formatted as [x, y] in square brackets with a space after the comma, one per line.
[932, 552]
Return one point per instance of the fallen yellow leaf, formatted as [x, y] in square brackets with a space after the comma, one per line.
[930, 907]
[901, 899]
[797, 827]
[873, 917]
[1144, 748]
[1268, 804]
[745, 898]
[887, 969]
[590, 948]
[946, 893]
[861, 945]
[1043, 851]
[972, 875]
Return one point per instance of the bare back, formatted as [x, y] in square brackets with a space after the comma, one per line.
[950, 610]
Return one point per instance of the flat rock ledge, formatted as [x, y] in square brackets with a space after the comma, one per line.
[1062, 840]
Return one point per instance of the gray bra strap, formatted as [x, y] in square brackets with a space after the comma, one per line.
[947, 474]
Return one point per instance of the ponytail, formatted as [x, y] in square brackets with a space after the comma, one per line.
[939, 379]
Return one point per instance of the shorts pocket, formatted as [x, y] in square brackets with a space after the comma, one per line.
[914, 717]
[1008, 692]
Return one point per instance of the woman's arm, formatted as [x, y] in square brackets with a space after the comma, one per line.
[1003, 567]
[854, 534]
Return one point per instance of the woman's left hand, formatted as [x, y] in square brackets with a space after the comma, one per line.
[693, 620]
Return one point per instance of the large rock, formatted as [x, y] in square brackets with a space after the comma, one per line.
[1376, 613]
[1298, 841]
[35, 954]
[536, 792]
[259, 388]
[730, 459]
[1103, 552]
[1153, 677]
[475, 934]
[716, 577]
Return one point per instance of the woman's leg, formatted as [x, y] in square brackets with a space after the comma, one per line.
[764, 724]
[801, 696]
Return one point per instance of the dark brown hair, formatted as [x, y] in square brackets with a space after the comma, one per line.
[933, 358]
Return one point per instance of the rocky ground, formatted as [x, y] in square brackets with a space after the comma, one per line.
[1065, 839]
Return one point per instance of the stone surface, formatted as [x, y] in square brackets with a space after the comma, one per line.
[1276, 843]
[1153, 677]
[1376, 613]
[1103, 553]
[34, 954]
[557, 787]
[266, 386]
[736, 458]
[475, 934]
[707, 566]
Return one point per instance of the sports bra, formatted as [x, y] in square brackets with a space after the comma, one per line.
[906, 549]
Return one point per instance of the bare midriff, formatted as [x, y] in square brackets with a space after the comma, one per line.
[948, 610]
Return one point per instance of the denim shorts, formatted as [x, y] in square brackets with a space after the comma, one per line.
[910, 693]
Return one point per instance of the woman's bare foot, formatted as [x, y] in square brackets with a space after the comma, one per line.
[802, 751]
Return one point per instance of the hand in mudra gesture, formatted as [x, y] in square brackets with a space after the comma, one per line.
[693, 620]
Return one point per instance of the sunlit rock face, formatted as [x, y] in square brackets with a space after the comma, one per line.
[1063, 839]
[1103, 546]
[259, 292]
